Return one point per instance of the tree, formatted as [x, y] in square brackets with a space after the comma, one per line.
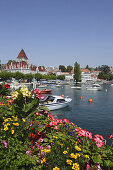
[77, 72]
[89, 68]
[69, 68]
[62, 68]
[61, 77]
[105, 69]
[9, 61]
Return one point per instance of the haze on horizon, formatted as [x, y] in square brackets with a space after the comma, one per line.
[58, 32]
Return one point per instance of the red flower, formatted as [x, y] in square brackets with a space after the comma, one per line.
[7, 86]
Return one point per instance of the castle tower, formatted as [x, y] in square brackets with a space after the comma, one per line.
[22, 56]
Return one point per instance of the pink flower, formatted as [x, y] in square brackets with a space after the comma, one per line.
[48, 147]
[65, 121]
[46, 112]
[56, 127]
[37, 113]
[40, 140]
[5, 143]
[99, 144]
[52, 117]
[28, 153]
[82, 133]
[99, 136]
[59, 120]
[89, 135]
[110, 136]
[98, 166]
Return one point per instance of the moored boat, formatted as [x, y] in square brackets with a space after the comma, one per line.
[53, 102]
[45, 91]
[94, 87]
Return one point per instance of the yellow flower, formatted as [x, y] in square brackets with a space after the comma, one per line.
[55, 137]
[65, 152]
[5, 128]
[12, 131]
[75, 166]
[44, 160]
[25, 92]
[7, 124]
[14, 95]
[10, 119]
[23, 120]
[67, 148]
[56, 168]
[5, 120]
[15, 118]
[51, 141]
[61, 144]
[77, 154]
[72, 155]
[77, 148]
[16, 124]
[69, 161]
[86, 156]
[47, 150]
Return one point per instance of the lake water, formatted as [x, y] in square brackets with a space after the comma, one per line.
[96, 117]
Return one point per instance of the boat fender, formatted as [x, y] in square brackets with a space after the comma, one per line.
[90, 100]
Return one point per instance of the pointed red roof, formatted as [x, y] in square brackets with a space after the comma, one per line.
[22, 54]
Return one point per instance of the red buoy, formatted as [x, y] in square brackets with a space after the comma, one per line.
[90, 100]
[62, 95]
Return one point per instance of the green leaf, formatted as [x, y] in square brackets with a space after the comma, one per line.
[45, 140]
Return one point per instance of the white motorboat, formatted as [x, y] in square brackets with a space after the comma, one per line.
[53, 102]
[94, 87]
[76, 87]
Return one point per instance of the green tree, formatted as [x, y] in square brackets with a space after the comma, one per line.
[77, 72]
[9, 61]
[6, 75]
[62, 68]
[69, 68]
[61, 77]
[105, 69]
[89, 68]
[18, 75]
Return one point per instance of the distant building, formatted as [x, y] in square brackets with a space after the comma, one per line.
[21, 65]
[2, 67]
[85, 75]
[42, 70]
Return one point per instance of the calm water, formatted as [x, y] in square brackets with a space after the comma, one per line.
[96, 117]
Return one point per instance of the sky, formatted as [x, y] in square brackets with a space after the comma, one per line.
[57, 32]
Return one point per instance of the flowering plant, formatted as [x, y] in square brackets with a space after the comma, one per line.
[24, 104]
[4, 89]
[31, 138]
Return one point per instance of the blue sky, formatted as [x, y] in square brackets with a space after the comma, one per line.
[57, 32]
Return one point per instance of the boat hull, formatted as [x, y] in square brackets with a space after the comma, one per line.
[56, 106]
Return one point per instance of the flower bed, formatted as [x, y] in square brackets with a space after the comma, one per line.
[31, 138]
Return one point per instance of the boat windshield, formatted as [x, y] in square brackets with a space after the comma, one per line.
[60, 100]
[48, 99]
[95, 85]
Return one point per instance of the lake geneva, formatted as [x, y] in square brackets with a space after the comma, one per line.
[96, 117]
